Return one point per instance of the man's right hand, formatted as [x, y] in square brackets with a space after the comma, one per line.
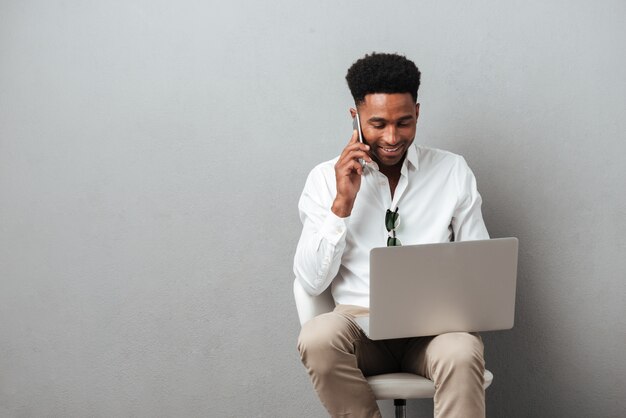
[348, 172]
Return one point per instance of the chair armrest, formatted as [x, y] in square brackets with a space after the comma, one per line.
[309, 306]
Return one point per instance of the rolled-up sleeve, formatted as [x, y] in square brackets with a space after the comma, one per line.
[323, 238]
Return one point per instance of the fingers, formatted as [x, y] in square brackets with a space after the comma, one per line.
[355, 137]
[358, 154]
[354, 154]
[351, 164]
[355, 144]
[357, 167]
[348, 168]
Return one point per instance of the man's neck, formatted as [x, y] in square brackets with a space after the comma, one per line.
[392, 172]
[393, 175]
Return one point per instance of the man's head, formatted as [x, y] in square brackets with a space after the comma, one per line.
[384, 87]
[382, 73]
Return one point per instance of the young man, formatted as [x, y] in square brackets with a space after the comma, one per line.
[344, 210]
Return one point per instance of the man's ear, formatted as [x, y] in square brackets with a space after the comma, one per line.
[353, 112]
[417, 111]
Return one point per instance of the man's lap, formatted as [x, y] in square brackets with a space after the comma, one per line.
[419, 355]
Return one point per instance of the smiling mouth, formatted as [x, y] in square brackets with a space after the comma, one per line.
[391, 150]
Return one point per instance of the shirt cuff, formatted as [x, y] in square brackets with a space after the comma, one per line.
[334, 228]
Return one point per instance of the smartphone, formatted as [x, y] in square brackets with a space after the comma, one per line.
[356, 124]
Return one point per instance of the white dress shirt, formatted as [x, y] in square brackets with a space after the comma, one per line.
[437, 201]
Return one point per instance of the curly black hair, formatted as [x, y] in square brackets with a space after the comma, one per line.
[382, 73]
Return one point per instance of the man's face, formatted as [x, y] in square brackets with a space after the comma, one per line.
[388, 124]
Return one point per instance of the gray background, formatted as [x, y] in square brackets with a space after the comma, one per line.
[152, 154]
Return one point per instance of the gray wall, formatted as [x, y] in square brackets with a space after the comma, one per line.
[152, 154]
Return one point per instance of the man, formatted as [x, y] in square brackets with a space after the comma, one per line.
[344, 211]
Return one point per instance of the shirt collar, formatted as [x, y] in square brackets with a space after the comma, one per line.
[412, 157]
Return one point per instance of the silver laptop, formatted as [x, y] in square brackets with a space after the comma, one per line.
[430, 289]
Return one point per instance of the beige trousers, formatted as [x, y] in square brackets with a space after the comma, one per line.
[338, 357]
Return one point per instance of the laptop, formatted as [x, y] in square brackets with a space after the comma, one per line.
[431, 289]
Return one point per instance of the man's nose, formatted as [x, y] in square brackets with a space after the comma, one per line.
[391, 135]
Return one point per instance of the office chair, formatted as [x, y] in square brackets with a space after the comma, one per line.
[396, 386]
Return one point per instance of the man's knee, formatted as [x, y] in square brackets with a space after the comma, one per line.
[322, 338]
[457, 350]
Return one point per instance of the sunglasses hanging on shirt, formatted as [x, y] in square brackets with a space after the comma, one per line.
[392, 221]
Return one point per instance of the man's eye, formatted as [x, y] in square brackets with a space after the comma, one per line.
[378, 126]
